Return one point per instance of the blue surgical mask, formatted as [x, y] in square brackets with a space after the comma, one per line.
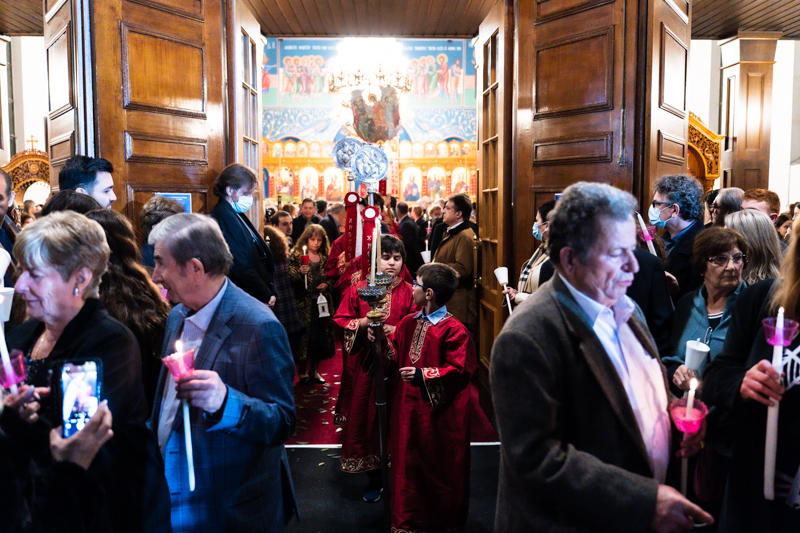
[536, 233]
[244, 204]
[654, 214]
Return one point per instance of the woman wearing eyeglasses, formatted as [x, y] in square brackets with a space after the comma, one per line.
[705, 313]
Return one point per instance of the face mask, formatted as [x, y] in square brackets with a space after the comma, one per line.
[536, 233]
[654, 214]
[243, 205]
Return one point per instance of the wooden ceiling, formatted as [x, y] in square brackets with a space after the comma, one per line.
[712, 19]
[21, 17]
[392, 18]
[720, 19]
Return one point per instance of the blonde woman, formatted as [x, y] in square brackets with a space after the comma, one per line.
[763, 248]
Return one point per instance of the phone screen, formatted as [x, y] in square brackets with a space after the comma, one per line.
[80, 393]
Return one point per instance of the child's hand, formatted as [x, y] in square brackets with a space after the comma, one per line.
[407, 373]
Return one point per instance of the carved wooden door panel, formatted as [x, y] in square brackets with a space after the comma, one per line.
[495, 92]
[575, 109]
[159, 84]
[244, 93]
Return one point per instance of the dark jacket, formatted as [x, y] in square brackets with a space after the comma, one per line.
[299, 225]
[329, 224]
[141, 503]
[744, 508]
[679, 262]
[572, 457]
[253, 265]
[409, 233]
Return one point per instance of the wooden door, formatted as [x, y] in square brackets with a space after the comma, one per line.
[70, 117]
[159, 105]
[244, 97]
[495, 93]
[666, 130]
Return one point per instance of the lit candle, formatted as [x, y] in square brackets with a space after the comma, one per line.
[374, 255]
[690, 401]
[305, 250]
[771, 444]
[177, 365]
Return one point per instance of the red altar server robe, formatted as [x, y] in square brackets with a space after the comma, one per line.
[360, 438]
[429, 426]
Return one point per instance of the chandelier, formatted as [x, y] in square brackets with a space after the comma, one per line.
[368, 64]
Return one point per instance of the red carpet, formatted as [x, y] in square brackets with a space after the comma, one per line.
[314, 404]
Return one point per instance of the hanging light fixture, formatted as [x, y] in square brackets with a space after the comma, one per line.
[368, 64]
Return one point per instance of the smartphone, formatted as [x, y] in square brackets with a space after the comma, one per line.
[79, 385]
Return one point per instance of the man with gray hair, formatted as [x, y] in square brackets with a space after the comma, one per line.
[240, 393]
[677, 207]
[579, 392]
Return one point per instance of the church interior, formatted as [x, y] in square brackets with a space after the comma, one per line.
[506, 100]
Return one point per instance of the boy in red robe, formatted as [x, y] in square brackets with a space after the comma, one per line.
[429, 411]
[360, 438]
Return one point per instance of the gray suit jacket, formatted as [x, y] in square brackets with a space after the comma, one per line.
[572, 456]
[242, 473]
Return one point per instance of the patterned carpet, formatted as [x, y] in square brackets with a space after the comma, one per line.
[315, 403]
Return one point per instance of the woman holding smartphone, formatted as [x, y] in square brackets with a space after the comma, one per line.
[61, 259]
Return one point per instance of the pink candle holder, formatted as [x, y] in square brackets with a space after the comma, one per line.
[649, 236]
[180, 363]
[770, 331]
[678, 413]
[304, 260]
[15, 373]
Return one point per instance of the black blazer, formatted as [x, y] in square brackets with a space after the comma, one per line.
[298, 226]
[679, 262]
[253, 266]
[409, 233]
[649, 290]
[141, 503]
[329, 224]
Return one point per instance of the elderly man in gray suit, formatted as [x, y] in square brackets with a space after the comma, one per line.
[240, 393]
[579, 391]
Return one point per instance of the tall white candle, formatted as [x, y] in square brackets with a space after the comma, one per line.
[650, 246]
[690, 401]
[771, 443]
[375, 237]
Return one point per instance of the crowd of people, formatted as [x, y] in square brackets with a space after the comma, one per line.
[582, 374]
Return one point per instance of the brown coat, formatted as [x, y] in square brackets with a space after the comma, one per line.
[572, 457]
[457, 250]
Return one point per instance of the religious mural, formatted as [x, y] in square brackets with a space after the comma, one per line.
[433, 127]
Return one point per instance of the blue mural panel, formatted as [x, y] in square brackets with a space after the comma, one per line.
[436, 72]
[304, 71]
[269, 74]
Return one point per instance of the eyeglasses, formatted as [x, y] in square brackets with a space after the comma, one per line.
[423, 287]
[665, 204]
[722, 259]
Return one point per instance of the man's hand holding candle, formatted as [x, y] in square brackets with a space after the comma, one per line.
[203, 389]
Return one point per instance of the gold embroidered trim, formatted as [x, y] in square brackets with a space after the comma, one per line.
[418, 339]
[355, 278]
[339, 419]
[430, 373]
[350, 334]
[360, 464]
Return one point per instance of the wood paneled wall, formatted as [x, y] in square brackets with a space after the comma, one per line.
[601, 96]
[152, 104]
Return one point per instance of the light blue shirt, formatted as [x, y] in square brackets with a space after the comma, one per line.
[435, 317]
[194, 329]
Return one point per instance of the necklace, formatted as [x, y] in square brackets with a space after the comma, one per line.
[36, 353]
